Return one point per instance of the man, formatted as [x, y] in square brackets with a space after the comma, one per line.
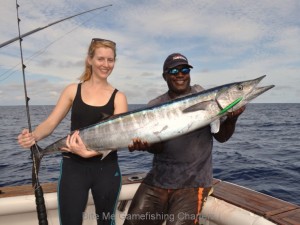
[181, 178]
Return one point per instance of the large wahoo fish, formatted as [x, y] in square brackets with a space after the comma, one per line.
[168, 120]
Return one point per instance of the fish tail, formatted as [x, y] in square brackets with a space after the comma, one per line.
[36, 155]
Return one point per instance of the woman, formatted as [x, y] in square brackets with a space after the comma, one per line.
[82, 169]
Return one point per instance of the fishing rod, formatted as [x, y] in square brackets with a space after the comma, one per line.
[50, 24]
[39, 195]
[38, 191]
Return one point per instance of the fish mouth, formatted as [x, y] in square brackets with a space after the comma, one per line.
[254, 84]
[258, 91]
[252, 92]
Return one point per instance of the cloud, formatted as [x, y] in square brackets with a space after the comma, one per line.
[224, 41]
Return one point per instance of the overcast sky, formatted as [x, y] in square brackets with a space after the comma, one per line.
[225, 41]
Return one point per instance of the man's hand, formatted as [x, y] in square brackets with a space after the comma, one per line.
[235, 114]
[139, 145]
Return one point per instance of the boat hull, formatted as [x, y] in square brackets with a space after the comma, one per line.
[229, 205]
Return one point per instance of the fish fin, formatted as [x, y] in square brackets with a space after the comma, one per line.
[215, 126]
[197, 107]
[108, 117]
[36, 155]
[105, 116]
[105, 153]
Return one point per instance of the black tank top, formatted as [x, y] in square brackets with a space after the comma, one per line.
[83, 115]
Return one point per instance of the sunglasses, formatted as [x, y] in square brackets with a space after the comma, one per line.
[102, 40]
[176, 71]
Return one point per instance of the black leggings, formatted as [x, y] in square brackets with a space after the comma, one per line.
[78, 176]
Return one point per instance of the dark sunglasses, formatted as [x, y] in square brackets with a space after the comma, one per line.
[176, 71]
[101, 40]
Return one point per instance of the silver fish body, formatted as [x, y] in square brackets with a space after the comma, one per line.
[168, 120]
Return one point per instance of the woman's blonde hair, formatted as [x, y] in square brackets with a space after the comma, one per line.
[95, 43]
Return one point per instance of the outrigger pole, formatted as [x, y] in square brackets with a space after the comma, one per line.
[38, 191]
[50, 24]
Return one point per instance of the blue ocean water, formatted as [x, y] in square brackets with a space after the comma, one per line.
[263, 154]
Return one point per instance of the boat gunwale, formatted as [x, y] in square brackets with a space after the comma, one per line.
[271, 208]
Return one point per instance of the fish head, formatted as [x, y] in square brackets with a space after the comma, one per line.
[235, 95]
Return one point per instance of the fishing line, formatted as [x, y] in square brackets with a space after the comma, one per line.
[49, 25]
[41, 51]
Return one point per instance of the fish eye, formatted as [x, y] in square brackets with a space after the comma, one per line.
[240, 87]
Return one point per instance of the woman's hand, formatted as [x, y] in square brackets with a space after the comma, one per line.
[26, 139]
[76, 146]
